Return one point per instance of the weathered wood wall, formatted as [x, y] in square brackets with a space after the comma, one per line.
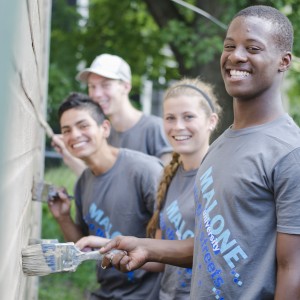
[25, 27]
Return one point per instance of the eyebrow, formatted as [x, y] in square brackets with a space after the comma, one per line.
[77, 123]
[247, 40]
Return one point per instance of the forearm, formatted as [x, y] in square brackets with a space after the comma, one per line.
[178, 253]
[288, 284]
[75, 164]
[153, 267]
[288, 266]
[71, 231]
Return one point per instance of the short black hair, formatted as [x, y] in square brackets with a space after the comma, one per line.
[82, 102]
[282, 27]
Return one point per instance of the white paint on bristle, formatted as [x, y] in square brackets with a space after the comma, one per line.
[34, 261]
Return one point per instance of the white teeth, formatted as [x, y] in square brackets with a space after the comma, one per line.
[181, 138]
[237, 73]
[77, 145]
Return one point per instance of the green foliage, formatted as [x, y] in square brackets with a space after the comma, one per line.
[193, 46]
[124, 28]
[66, 286]
[64, 56]
[294, 92]
[127, 28]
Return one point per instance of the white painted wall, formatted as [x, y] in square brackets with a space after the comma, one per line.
[24, 66]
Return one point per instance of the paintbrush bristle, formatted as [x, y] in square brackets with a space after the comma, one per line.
[43, 259]
[43, 192]
[34, 262]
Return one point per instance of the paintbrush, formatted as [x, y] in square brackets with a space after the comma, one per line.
[44, 259]
[44, 192]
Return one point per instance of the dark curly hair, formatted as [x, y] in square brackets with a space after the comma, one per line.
[82, 102]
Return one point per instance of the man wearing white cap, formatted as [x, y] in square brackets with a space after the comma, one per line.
[109, 84]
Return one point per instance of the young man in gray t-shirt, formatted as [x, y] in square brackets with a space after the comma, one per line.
[114, 195]
[247, 200]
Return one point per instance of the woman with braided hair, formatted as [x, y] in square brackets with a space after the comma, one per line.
[190, 113]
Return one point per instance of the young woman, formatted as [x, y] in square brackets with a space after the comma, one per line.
[190, 116]
[190, 112]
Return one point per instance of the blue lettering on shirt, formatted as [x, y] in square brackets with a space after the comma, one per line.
[99, 224]
[214, 235]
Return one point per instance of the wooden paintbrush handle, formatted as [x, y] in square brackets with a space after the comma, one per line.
[95, 255]
[91, 255]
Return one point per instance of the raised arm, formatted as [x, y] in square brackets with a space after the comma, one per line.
[140, 251]
[288, 267]
[75, 164]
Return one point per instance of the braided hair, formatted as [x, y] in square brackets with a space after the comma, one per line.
[169, 172]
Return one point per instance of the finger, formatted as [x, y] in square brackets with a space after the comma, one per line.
[50, 202]
[80, 244]
[86, 249]
[106, 262]
[63, 195]
[124, 264]
[109, 246]
[57, 139]
[116, 256]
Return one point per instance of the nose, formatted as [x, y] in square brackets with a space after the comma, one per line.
[74, 134]
[96, 93]
[239, 54]
[179, 124]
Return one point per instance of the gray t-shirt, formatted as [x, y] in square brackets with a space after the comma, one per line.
[146, 136]
[177, 222]
[120, 202]
[247, 190]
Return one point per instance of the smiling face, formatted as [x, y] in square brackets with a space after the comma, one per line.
[186, 125]
[82, 135]
[108, 93]
[250, 61]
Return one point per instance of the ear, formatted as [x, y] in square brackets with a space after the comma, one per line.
[213, 121]
[285, 62]
[106, 128]
[127, 86]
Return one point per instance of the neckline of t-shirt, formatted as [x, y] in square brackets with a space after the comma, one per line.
[187, 173]
[238, 132]
[132, 127]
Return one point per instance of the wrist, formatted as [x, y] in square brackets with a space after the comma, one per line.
[64, 219]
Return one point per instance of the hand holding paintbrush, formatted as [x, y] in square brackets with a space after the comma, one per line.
[60, 205]
[43, 259]
[45, 192]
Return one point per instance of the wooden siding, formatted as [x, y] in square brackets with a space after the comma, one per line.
[25, 60]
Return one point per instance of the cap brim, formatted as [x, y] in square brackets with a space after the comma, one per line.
[84, 74]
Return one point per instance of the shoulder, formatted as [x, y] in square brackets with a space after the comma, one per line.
[139, 158]
[283, 137]
[151, 120]
[85, 176]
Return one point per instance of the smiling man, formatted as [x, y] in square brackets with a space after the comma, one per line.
[109, 84]
[114, 196]
[247, 191]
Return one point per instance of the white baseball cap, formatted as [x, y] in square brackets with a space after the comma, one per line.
[109, 66]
